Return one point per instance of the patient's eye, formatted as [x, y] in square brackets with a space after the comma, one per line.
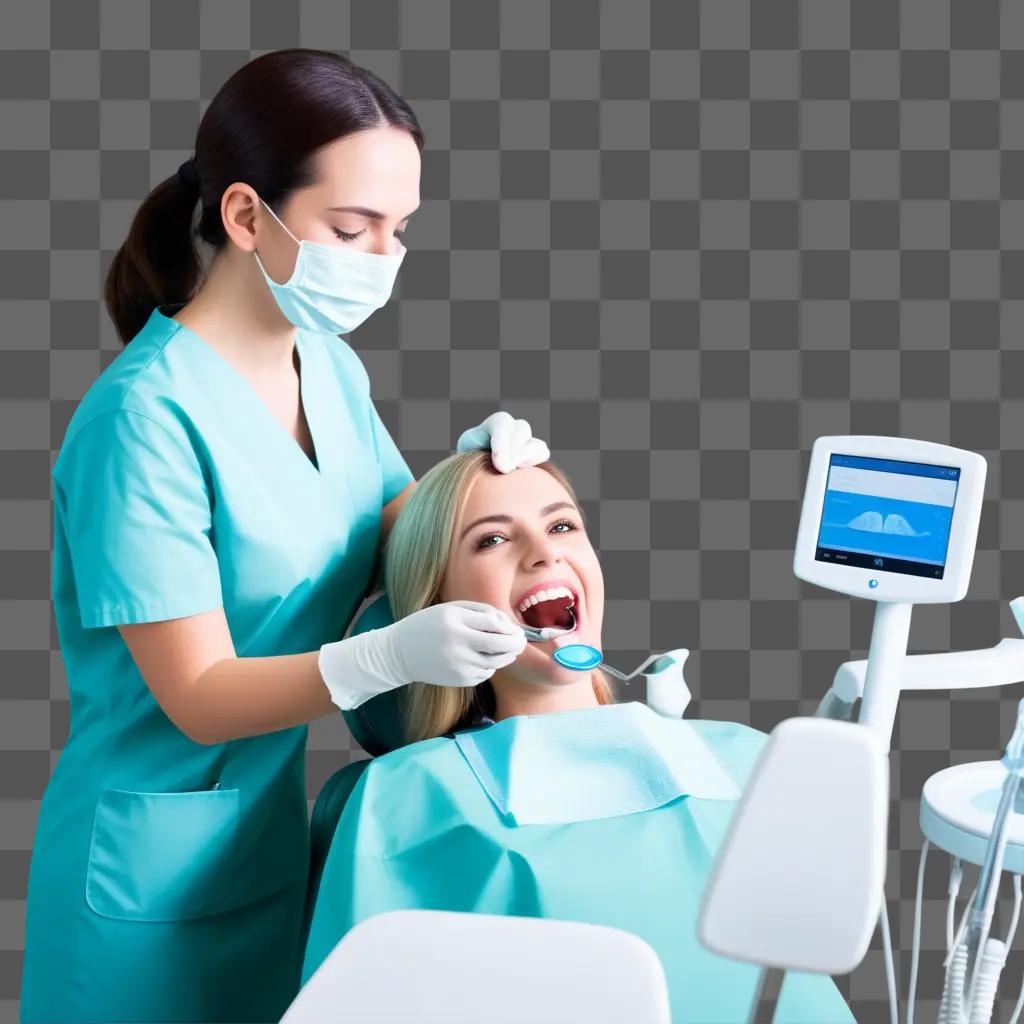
[496, 539]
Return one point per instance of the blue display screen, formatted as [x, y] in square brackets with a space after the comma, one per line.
[887, 514]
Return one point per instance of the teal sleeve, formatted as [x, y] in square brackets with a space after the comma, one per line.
[135, 512]
[394, 470]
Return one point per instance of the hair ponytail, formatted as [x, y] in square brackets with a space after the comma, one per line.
[157, 263]
[264, 127]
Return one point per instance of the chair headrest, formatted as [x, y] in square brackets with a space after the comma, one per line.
[377, 724]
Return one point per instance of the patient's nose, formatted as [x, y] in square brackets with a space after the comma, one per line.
[543, 550]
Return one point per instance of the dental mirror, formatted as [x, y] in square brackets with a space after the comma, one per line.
[583, 657]
[578, 656]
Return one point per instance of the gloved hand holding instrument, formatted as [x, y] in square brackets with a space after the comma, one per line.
[457, 643]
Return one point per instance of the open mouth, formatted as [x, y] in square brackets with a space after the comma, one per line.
[550, 607]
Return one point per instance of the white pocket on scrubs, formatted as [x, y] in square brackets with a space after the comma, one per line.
[171, 856]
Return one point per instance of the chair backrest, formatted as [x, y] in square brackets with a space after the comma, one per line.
[322, 826]
[410, 966]
[375, 725]
[799, 877]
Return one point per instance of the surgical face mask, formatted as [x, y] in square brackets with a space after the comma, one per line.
[333, 290]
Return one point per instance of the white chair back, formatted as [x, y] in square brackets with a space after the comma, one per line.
[412, 966]
[798, 881]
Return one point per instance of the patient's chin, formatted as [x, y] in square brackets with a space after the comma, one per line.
[536, 667]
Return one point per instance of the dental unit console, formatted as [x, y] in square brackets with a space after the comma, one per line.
[893, 520]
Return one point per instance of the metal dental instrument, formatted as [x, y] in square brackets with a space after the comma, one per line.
[583, 657]
[667, 692]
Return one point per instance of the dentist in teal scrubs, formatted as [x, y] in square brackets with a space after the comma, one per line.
[220, 498]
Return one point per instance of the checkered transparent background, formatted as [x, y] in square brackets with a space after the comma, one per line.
[683, 239]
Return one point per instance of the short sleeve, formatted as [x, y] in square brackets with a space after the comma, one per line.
[136, 517]
[394, 470]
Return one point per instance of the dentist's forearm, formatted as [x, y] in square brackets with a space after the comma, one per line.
[238, 697]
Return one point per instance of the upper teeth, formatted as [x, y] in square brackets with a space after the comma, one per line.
[545, 595]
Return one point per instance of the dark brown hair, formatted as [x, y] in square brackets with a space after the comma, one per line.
[263, 127]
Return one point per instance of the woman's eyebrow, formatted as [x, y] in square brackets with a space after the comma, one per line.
[375, 214]
[545, 511]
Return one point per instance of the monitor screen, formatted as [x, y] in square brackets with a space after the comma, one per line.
[887, 514]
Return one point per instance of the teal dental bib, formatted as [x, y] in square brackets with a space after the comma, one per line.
[596, 763]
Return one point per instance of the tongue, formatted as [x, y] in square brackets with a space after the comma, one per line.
[548, 613]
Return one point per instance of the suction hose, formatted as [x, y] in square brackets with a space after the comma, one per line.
[951, 1007]
[989, 968]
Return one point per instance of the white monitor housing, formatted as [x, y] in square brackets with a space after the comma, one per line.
[890, 518]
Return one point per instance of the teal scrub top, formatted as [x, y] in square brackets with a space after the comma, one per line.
[420, 831]
[167, 877]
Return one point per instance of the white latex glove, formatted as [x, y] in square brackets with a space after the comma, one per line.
[458, 643]
[510, 440]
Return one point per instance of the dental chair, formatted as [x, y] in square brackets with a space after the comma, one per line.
[535, 970]
[377, 727]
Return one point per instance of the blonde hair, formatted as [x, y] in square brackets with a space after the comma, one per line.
[415, 559]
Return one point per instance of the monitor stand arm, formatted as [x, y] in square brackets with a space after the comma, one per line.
[1000, 665]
